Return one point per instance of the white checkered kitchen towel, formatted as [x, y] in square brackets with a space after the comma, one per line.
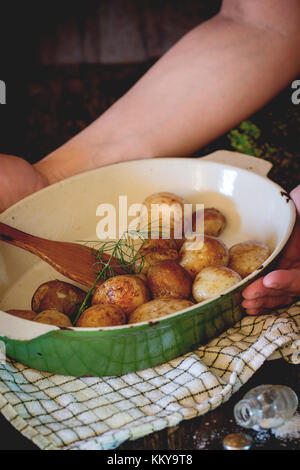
[58, 412]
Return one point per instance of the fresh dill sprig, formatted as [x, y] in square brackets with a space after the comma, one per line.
[122, 255]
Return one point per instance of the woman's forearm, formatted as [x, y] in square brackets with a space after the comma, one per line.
[214, 77]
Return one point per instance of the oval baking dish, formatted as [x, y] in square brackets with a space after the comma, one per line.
[255, 208]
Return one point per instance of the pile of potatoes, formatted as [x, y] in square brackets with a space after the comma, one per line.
[53, 303]
[169, 275]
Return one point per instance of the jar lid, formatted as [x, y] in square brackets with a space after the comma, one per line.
[237, 441]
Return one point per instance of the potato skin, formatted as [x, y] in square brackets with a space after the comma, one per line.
[168, 278]
[53, 317]
[57, 295]
[213, 253]
[102, 315]
[25, 314]
[158, 308]
[246, 257]
[214, 222]
[142, 276]
[212, 281]
[154, 251]
[164, 199]
[126, 291]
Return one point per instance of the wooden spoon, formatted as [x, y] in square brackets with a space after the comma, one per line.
[73, 260]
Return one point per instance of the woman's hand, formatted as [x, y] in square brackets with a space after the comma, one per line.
[278, 287]
[18, 179]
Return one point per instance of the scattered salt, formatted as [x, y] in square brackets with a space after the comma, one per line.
[262, 435]
[202, 442]
[286, 432]
[289, 430]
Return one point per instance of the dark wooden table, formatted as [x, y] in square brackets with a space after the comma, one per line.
[203, 433]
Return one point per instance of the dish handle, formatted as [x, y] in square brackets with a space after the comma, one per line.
[241, 160]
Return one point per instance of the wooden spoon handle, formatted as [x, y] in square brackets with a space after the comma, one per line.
[73, 260]
[17, 237]
[36, 245]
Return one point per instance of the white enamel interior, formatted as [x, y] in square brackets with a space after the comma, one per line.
[252, 204]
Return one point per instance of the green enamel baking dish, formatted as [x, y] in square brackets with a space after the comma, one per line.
[236, 184]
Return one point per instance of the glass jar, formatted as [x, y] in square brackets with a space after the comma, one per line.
[266, 406]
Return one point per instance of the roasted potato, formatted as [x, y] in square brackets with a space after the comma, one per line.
[168, 278]
[212, 253]
[168, 215]
[158, 308]
[246, 257]
[26, 314]
[53, 317]
[57, 295]
[102, 315]
[214, 222]
[142, 276]
[153, 251]
[126, 291]
[212, 281]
